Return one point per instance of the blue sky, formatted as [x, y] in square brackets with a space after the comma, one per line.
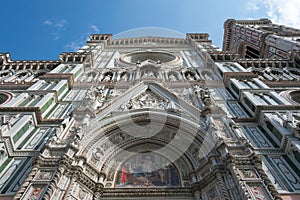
[40, 29]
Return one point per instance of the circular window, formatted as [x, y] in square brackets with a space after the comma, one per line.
[5, 97]
[158, 57]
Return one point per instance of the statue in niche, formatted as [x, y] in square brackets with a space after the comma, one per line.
[190, 77]
[79, 133]
[129, 105]
[249, 173]
[124, 77]
[149, 74]
[207, 76]
[296, 119]
[86, 120]
[107, 77]
[2, 152]
[46, 175]
[163, 104]
[99, 90]
[90, 95]
[90, 100]
[204, 94]
[6, 121]
[115, 92]
[147, 100]
[172, 77]
[170, 105]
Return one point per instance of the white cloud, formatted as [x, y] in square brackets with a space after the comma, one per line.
[56, 27]
[74, 45]
[252, 6]
[94, 28]
[77, 44]
[61, 24]
[47, 22]
[285, 12]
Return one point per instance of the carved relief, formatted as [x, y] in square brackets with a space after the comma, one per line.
[81, 194]
[44, 175]
[100, 151]
[107, 77]
[63, 182]
[35, 193]
[190, 76]
[258, 192]
[248, 173]
[3, 153]
[147, 100]
[125, 76]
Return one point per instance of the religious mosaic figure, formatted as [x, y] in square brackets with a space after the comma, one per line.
[147, 171]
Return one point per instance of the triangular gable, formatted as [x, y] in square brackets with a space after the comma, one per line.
[140, 96]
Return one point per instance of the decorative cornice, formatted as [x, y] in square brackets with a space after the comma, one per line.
[198, 37]
[100, 37]
[75, 57]
[264, 63]
[147, 192]
[282, 83]
[223, 56]
[6, 63]
[35, 110]
[15, 86]
[58, 76]
[159, 40]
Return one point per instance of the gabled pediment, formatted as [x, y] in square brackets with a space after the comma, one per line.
[149, 95]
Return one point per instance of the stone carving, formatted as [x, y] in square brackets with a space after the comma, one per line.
[124, 77]
[258, 193]
[296, 121]
[35, 194]
[190, 76]
[117, 138]
[90, 95]
[204, 94]
[148, 100]
[45, 175]
[63, 182]
[248, 173]
[194, 151]
[149, 74]
[2, 152]
[107, 77]
[172, 77]
[81, 194]
[100, 151]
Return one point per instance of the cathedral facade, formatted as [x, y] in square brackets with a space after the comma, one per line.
[156, 118]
